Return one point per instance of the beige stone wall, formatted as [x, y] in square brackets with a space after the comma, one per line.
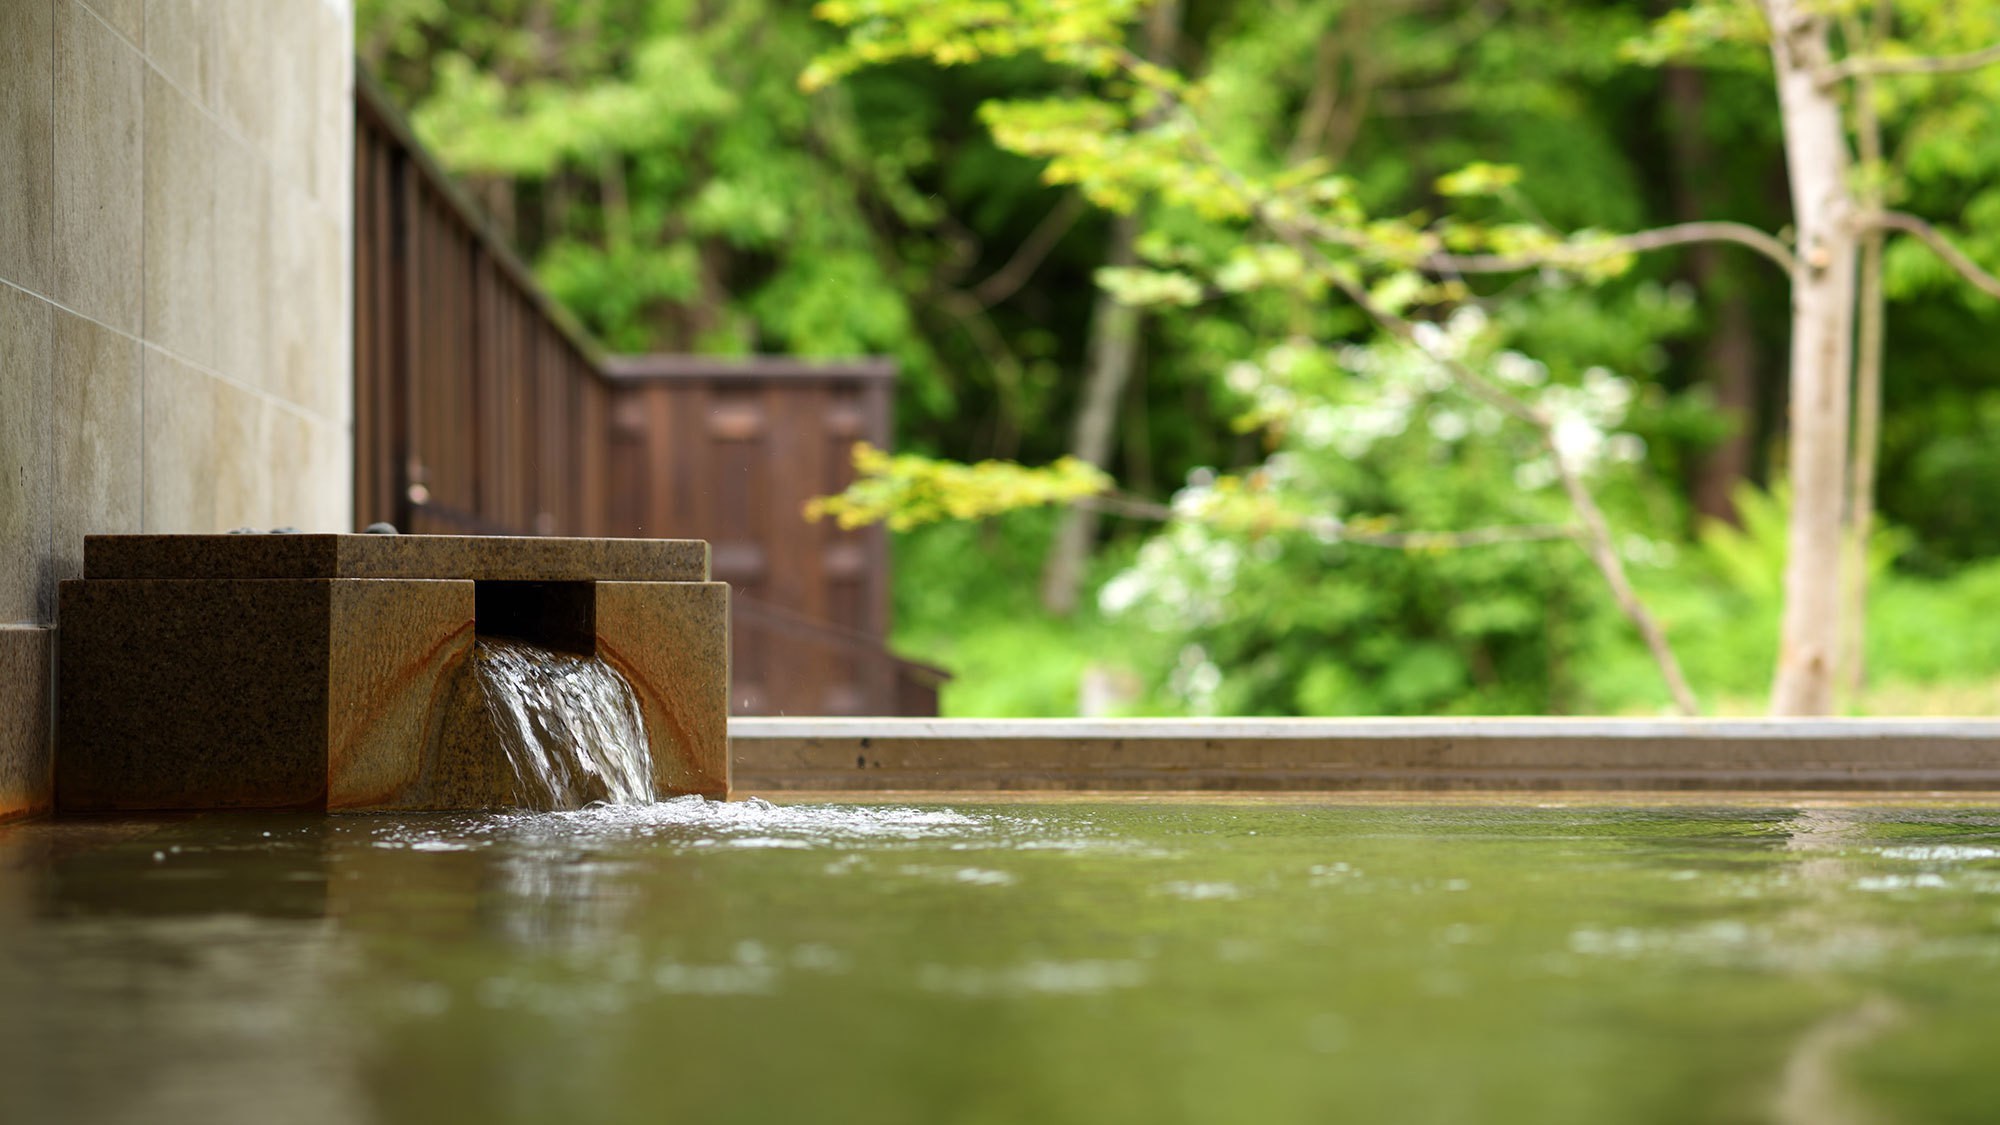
[175, 210]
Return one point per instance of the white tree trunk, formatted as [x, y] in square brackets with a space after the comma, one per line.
[1113, 350]
[1823, 292]
[1861, 484]
[1867, 373]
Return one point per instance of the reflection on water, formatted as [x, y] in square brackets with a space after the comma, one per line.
[173, 975]
[1157, 962]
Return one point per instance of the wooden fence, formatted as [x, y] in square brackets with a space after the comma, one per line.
[482, 408]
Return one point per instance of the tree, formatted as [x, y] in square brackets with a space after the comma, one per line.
[657, 164]
[1303, 231]
[1142, 135]
[1831, 473]
[1113, 353]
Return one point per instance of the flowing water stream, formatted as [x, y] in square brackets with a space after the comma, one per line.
[570, 725]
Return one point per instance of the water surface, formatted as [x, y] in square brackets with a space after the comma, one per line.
[1073, 961]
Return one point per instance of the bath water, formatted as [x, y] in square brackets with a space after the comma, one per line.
[1102, 961]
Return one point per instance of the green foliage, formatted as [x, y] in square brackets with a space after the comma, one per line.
[1930, 647]
[1479, 178]
[666, 175]
[1137, 135]
[676, 184]
[906, 490]
[1729, 33]
[1008, 656]
[1083, 33]
[1268, 595]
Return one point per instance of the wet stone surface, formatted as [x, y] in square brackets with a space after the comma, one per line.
[1086, 961]
[355, 693]
[480, 557]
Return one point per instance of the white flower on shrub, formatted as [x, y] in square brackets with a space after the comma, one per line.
[1625, 448]
[1449, 426]
[1185, 575]
[1196, 679]
[1519, 370]
[1535, 474]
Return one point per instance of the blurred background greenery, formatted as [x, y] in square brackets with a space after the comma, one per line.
[659, 164]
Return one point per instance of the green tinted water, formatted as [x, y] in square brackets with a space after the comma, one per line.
[1064, 962]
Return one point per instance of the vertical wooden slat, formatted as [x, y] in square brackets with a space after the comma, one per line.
[477, 410]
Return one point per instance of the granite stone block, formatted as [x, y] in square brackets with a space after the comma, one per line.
[183, 694]
[399, 653]
[466, 766]
[26, 653]
[671, 643]
[356, 694]
[481, 557]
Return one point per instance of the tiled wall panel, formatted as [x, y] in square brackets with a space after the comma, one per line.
[175, 330]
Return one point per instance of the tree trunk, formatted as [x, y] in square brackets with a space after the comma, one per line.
[1112, 349]
[1823, 292]
[1861, 489]
[1728, 361]
[1867, 378]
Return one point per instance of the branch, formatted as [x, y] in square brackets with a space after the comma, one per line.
[1594, 534]
[1595, 531]
[1939, 244]
[1333, 530]
[1863, 66]
[1008, 279]
[1679, 234]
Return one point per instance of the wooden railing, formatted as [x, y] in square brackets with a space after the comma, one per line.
[482, 408]
[479, 405]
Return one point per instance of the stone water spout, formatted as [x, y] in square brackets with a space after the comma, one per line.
[338, 672]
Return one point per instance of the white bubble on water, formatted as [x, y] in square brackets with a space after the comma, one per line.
[1927, 880]
[1056, 978]
[1202, 892]
[1941, 853]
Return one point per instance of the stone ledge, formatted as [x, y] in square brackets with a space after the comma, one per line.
[482, 558]
[1366, 754]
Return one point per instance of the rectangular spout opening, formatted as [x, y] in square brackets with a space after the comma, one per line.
[557, 615]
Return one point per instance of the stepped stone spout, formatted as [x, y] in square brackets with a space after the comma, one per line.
[336, 671]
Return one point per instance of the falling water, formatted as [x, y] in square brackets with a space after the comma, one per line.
[570, 725]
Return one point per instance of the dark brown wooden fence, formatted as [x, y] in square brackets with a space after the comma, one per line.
[730, 452]
[479, 405]
[481, 408]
